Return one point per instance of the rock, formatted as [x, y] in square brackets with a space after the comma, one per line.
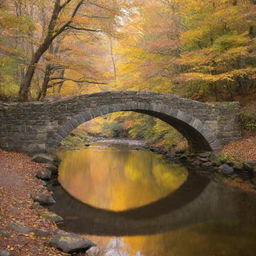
[41, 232]
[45, 174]
[4, 234]
[238, 166]
[230, 163]
[252, 163]
[56, 161]
[95, 251]
[196, 162]
[180, 152]
[52, 217]
[205, 154]
[207, 164]
[36, 205]
[45, 199]
[70, 243]
[226, 169]
[5, 253]
[183, 158]
[203, 159]
[20, 229]
[55, 183]
[43, 158]
[247, 167]
[53, 169]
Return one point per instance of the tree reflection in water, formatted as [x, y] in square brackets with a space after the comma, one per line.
[144, 207]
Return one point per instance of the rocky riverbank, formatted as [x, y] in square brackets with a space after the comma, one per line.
[26, 227]
[235, 173]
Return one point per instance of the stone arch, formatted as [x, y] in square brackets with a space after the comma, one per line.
[200, 137]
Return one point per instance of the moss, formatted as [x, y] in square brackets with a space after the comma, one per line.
[74, 140]
[223, 158]
[248, 121]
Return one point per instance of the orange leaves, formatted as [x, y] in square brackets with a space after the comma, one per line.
[17, 183]
[243, 149]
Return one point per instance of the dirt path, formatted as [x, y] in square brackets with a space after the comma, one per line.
[17, 184]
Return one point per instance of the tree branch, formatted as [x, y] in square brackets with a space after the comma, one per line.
[76, 81]
[95, 16]
[85, 29]
[66, 25]
[100, 6]
[65, 4]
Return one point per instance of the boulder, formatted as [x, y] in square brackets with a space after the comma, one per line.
[45, 199]
[45, 174]
[52, 217]
[226, 169]
[52, 168]
[20, 229]
[42, 232]
[5, 253]
[43, 158]
[36, 205]
[71, 243]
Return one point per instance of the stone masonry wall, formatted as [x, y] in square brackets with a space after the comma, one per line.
[40, 126]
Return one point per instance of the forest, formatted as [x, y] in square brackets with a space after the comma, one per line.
[127, 183]
[203, 50]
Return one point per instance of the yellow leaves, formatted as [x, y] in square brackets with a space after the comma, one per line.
[191, 36]
[223, 77]
[10, 248]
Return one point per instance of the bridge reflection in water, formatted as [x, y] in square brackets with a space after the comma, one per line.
[198, 212]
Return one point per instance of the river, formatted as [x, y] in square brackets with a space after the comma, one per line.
[133, 202]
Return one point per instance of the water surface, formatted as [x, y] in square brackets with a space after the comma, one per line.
[133, 202]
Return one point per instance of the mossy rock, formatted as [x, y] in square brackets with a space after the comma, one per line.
[52, 217]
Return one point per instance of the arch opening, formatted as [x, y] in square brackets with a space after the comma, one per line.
[199, 136]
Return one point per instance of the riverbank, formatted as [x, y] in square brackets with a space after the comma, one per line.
[23, 230]
[243, 149]
[26, 227]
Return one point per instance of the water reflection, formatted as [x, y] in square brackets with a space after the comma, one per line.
[187, 215]
[118, 178]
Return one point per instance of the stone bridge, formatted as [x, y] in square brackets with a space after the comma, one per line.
[41, 126]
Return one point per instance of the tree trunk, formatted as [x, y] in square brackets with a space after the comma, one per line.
[46, 81]
[112, 57]
[26, 82]
[60, 85]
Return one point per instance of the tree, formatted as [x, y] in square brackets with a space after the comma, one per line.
[52, 32]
